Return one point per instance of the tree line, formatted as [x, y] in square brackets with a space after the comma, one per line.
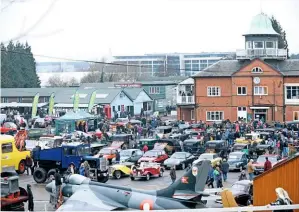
[18, 68]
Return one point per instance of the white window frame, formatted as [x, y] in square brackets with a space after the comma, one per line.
[4, 100]
[241, 94]
[274, 47]
[259, 93]
[250, 44]
[210, 93]
[294, 115]
[192, 115]
[253, 46]
[221, 118]
[257, 70]
[154, 90]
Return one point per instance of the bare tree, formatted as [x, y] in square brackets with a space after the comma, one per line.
[56, 81]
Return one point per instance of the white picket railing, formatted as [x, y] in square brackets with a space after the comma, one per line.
[265, 53]
[185, 100]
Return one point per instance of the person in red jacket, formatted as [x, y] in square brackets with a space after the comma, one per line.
[145, 148]
[267, 165]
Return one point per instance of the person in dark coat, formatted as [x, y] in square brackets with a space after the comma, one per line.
[30, 198]
[173, 174]
[58, 184]
[117, 156]
[224, 169]
[29, 165]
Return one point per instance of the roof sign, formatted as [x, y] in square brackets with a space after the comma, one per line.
[101, 95]
[128, 85]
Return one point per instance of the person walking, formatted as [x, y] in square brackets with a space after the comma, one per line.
[86, 169]
[29, 165]
[145, 148]
[30, 198]
[81, 169]
[218, 177]
[58, 184]
[211, 178]
[173, 174]
[267, 165]
[117, 156]
[224, 169]
[250, 169]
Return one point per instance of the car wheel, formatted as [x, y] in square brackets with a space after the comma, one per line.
[40, 175]
[21, 167]
[132, 178]
[183, 166]
[148, 177]
[117, 174]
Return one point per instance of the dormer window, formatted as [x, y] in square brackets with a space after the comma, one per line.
[258, 44]
[256, 70]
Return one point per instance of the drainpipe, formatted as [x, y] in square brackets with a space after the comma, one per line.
[252, 97]
[195, 105]
[284, 102]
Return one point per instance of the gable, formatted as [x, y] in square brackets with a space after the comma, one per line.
[143, 97]
[122, 99]
[259, 64]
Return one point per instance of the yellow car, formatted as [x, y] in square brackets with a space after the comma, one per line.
[252, 136]
[10, 155]
[119, 170]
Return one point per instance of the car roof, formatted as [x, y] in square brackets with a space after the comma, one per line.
[164, 127]
[209, 154]
[156, 150]
[130, 150]
[216, 141]
[243, 182]
[6, 138]
[121, 135]
[192, 140]
[237, 153]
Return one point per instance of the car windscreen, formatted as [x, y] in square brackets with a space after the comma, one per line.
[179, 155]
[205, 156]
[234, 157]
[150, 154]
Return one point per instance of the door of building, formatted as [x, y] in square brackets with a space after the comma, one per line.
[260, 114]
[242, 113]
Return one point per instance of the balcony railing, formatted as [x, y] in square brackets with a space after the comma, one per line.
[185, 100]
[262, 53]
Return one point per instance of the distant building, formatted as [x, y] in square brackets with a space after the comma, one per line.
[58, 67]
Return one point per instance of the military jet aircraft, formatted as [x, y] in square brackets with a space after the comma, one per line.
[86, 195]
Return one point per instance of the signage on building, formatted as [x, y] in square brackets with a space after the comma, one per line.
[128, 85]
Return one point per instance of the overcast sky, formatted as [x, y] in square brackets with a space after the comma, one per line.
[90, 29]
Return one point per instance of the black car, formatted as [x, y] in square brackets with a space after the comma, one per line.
[194, 146]
[237, 160]
[243, 192]
[179, 160]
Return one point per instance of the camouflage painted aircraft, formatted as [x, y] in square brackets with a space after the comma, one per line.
[86, 195]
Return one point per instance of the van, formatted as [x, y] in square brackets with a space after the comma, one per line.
[10, 155]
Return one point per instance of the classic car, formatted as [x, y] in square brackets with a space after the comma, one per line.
[35, 133]
[125, 138]
[120, 170]
[179, 160]
[179, 136]
[259, 164]
[213, 157]
[150, 142]
[169, 145]
[237, 160]
[146, 170]
[243, 192]
[8, 126]
[194, 146]
[157, 156]
[109, 153]
[163, 131]
[130, 155]
[249, 137]
[239, 147]
[217, 146]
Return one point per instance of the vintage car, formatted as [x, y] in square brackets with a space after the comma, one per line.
[8, 126]
[120, 170]
[156, 156]
[179, 160]
[243, 192]
[213, 157]
[125, 138]
[10, 155]
[146, 170]
[259, 163]
[194, 146]
[163, 131]
[217, 146]
[170, 145]
[36, 133]
[249, 137]
[237, 160]
[130, 155]
[110, 152]
[239, 147]
[149, 142]
[179, 136]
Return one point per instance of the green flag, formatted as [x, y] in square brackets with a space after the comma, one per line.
[91, 100]
[34, 105]
[51, 104]
[76, 100]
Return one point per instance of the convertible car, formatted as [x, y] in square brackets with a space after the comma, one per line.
[146, 170]
[120, 170]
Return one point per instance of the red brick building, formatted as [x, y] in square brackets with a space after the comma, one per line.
[260, 84]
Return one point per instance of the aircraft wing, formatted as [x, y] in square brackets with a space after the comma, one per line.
[87, 200]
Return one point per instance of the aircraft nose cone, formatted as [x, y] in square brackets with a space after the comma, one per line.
[49, 187]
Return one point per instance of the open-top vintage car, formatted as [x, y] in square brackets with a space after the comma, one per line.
[120, 170]
[146, 170]
[250, 137]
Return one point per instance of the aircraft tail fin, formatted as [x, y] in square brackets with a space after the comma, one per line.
[191, 184]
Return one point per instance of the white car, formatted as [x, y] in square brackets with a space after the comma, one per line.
[213, 157]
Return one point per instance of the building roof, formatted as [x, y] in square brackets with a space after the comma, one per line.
[133, 93]
[226, 68]
[189, 81]
[28, 92]
[261, 25]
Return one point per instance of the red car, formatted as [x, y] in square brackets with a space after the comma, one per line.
[259, 164]
[146, 170]
[155, 155]
[7, 126]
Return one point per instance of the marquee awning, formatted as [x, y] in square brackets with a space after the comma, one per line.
[19, 104]
[71, 105]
